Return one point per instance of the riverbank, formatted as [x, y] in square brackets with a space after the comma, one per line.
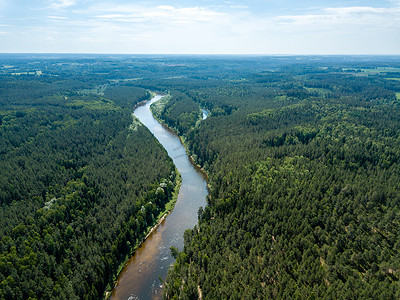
[183, 141]
[168, 208]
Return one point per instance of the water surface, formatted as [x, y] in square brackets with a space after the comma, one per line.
[205, 113]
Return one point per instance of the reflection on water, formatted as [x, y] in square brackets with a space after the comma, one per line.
[205, 113]
[140, 277]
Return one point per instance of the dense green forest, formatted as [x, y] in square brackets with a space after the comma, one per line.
[80, 183]
[303, 164]
[302, 155]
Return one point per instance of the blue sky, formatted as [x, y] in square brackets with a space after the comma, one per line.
[200, 27]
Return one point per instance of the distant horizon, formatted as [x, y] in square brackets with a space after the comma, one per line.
[185, 54]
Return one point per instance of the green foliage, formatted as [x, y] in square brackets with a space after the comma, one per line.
[78, 189]
[174, 252]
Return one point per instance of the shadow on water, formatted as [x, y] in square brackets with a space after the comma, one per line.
[140, 277]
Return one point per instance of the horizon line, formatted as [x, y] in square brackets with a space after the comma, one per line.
[190, 54]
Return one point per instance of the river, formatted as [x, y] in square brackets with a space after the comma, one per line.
[140, 277]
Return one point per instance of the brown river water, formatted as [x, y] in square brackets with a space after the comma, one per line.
[140, 277]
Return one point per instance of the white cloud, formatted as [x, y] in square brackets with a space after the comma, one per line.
[62, 4]
[159, 14]
[56, 18]
[348, 16]
[166, 7]
[111, 16]
[238, 6]
[355, 10]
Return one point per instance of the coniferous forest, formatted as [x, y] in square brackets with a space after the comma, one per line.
[302, 156]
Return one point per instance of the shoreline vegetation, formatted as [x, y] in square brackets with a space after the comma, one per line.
[155, 111]
[169, 206]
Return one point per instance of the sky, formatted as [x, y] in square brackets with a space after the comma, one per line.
[200, 27]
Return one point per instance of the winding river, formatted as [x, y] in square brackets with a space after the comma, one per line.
[140, 277]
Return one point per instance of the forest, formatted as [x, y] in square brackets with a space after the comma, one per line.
[81, 183]
[302, 155]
